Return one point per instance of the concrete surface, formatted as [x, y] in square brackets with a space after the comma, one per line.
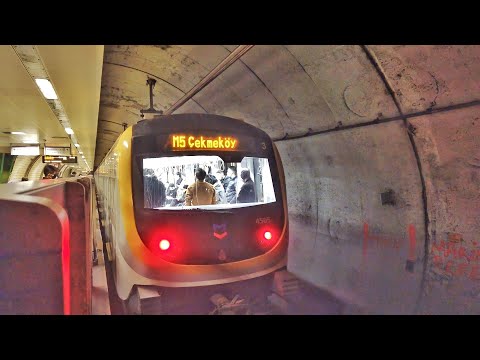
[399, 120]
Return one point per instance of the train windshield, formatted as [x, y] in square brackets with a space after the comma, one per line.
[170, 183]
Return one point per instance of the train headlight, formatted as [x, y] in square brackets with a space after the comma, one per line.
[267, 235]
[164, 244]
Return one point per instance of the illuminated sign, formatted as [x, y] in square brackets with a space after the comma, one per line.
[59, 159]
[220, 231]
[190, 142]
[56, 151]
[25, 150]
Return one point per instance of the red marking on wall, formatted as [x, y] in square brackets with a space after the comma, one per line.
[445, 250]
[454, 237]
[412, 242]
[379, 240]
[445, 255]
[456, 260]
[474, 273]
[383, 241]
[365, 242]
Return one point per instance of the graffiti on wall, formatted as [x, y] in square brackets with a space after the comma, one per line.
[450, 257]
[455, 259]
[384, 241]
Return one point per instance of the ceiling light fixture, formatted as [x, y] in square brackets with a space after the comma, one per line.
[47, 89]
[14, 133]
[77, 145]
[69, 131]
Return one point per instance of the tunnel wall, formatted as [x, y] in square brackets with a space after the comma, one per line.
[449, 149]
[331, 203]
[352, 123]
[335, 181]
[343, 237]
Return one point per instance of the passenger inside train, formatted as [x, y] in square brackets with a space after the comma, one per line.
[253, 187]
[247, 192]
[50, 172]
[156, 195]
[231, 185]
[200, 192]
[219, 190]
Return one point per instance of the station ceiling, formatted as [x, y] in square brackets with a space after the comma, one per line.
[75, 72]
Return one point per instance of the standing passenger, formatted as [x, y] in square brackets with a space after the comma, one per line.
[219, 190]
[231, 188]
[180, 201]
[161, 193]
[222, 178]
[247, 192]
[154, 190]
[171, 194]
[200, 192]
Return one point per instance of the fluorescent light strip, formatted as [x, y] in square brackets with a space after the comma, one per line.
[38, 72]
[47, 89]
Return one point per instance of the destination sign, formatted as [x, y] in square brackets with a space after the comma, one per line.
[56, 151]
[25, 150]
[59, 159]
[191, 142]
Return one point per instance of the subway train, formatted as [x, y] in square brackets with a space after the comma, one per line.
[158, 239]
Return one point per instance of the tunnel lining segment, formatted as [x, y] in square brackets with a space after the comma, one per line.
[157, 77]
[381, 121]
[410, 132]
[263, 83]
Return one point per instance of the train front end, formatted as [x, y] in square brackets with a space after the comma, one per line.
[174, 242]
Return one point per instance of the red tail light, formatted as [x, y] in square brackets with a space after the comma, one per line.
[164, 244]
[267, 237]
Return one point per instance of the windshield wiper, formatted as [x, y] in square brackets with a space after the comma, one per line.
[222, 211]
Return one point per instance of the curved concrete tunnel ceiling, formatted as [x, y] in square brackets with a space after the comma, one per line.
[380, 146]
